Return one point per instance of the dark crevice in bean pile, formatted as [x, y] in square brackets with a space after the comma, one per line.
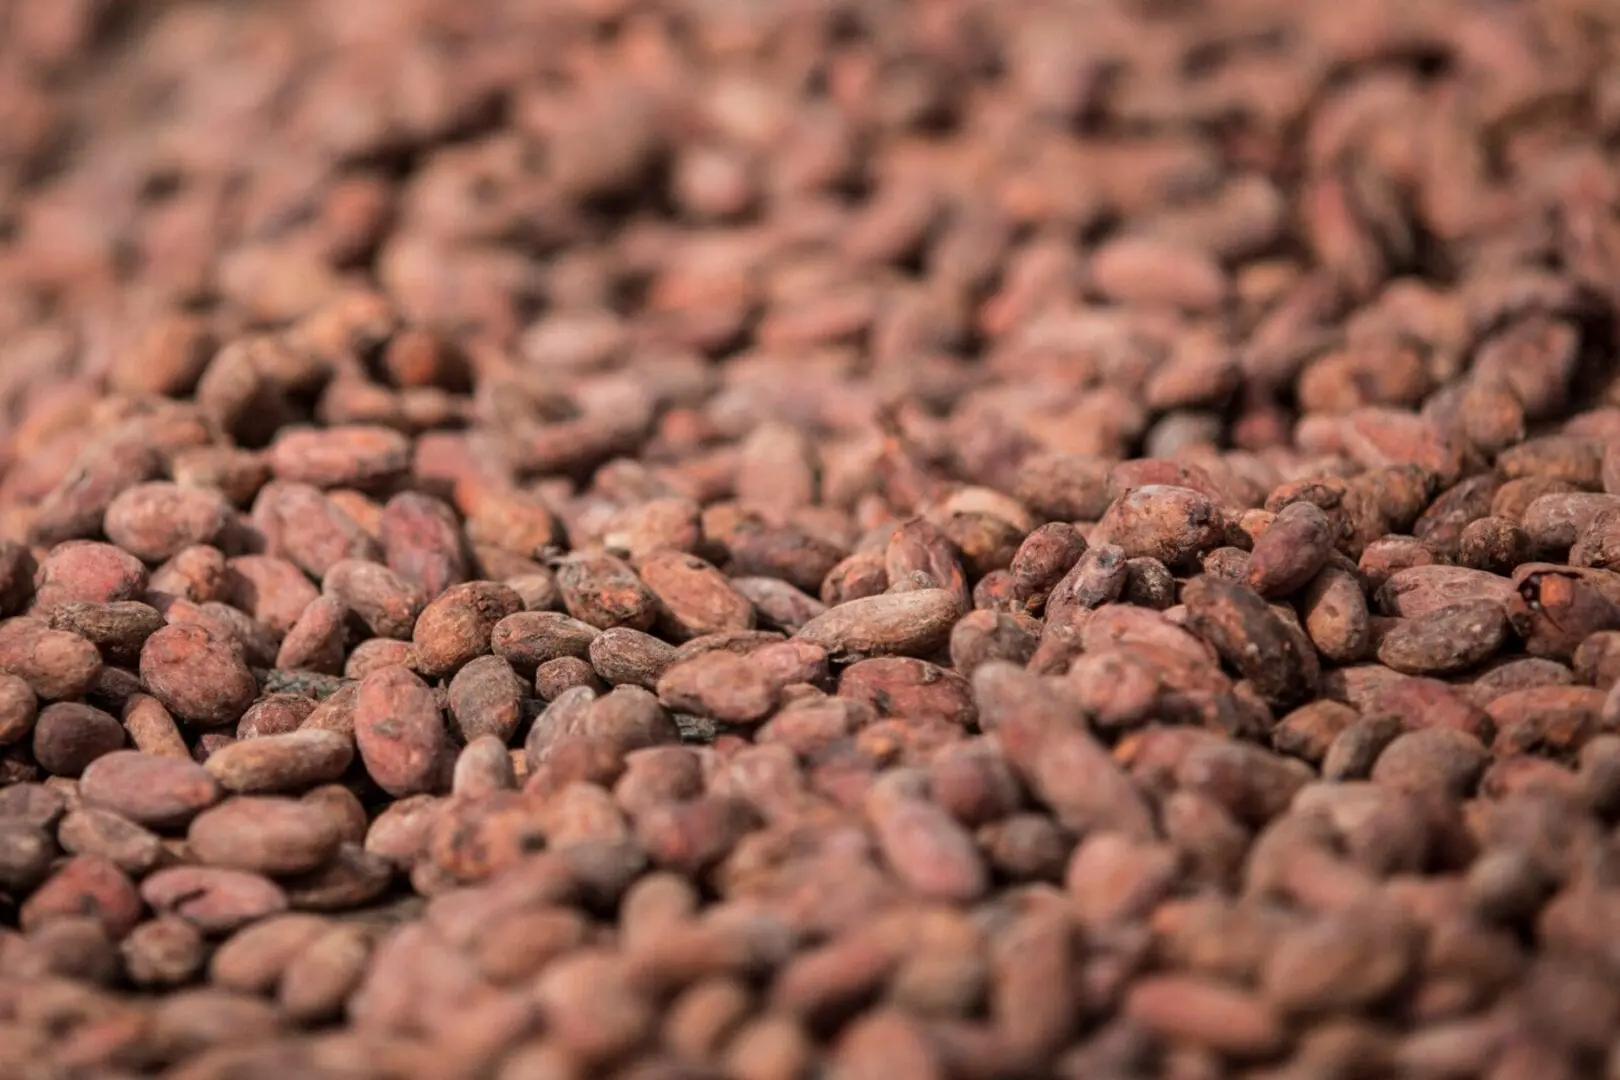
[810, 540]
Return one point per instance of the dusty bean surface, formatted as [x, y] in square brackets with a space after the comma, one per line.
[783, 540]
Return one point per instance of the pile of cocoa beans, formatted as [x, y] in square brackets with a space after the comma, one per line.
[810, 540]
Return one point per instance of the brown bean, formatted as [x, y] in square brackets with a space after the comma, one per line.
[85, 884]
[694, 598]
[55, 664]
[604, 592]
[163, 953]
[1250, 637]
[131, 848]
[731, 689]
[292, 761]
[486, 697]
[214, 900]
[156, 521]
[18, 709]
[354, 456]
[399, 731]
[1046, 743]
[1445, 640]
[86, 572]
[938, 648]
[308, 529]
[422, 543]
[271, 589]
[266, 834]
[901, 686]
[196, 675]
[1206, 1013]
[1292, 551]
[932, 854]
[118, 629]
[26, 854]
[528, 639]
[386, 602]
[457, 626]
[316, 641]
[69, 737]
[160, 792]
[1171, 524]
[902, 624]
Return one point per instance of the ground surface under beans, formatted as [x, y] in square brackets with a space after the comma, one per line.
[810, 540]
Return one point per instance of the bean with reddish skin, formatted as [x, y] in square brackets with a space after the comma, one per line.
[457, 626]
[85, 885]
[157, 521]
[163, 953]
[18, 708]
[486, 698]
[900, 686]
[694, 597]
[87, 572]
[1292, 550]
[422, 543]
[380, 598]
[196, 675]
[287, 762]
[399, 731]
[55, 664]
[932, 855]
[118, 629]
[1250, 636]
[528, 639]
[1046, 743]
[271, 589]
[1446, 640]
[69, 737]
[352, 456]
[1044, 557]
[307, 528]
[161, 792]
[605, 592]
[133, 849]
[731, 689]
[1171, 524]
[316, 641]
[1206, 1013]
[213, 900]
[892, 624]
[267, 834]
